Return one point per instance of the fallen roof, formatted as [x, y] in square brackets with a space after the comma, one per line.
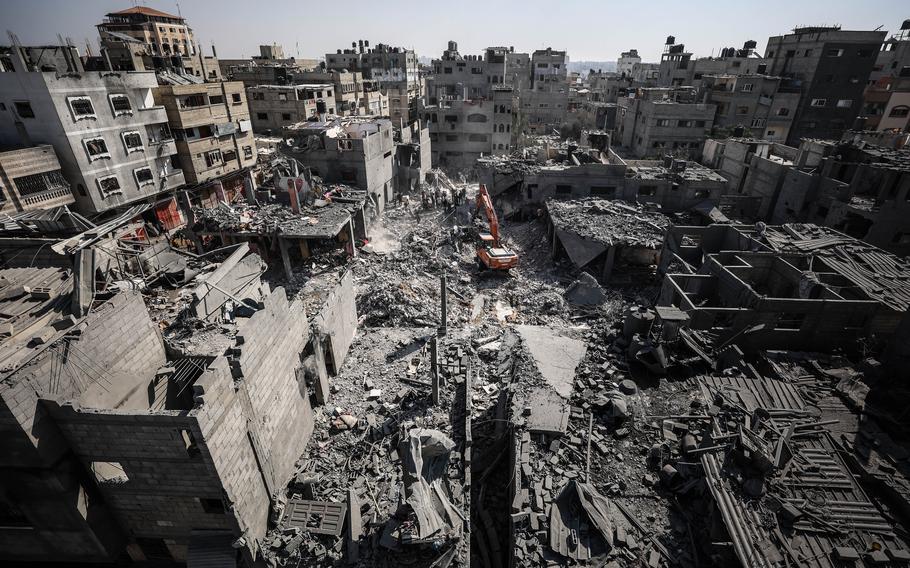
[608, 222]
[312, 223]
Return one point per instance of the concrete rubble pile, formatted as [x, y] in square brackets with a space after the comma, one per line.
[609, 221]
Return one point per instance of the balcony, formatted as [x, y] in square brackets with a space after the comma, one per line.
[162, 148]
[188, 117]
[154, 114]
[46, 199]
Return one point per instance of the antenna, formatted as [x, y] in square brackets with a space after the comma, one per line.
[178, 9]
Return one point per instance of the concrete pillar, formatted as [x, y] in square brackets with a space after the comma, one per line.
[219, 192]
[608, 265]
[443, 305]
[351, 238]
[434, 363]
[249, 188]
[304, 248]
[355, 527]
[285, 258]
[83, 281]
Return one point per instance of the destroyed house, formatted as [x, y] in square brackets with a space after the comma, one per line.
[148, 431]
[794, 286]
[353, 151]
[598, 235]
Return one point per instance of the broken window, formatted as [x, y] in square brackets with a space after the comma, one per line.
[120, 104]
[258, 96]
[819, 102]
[262, 116]
[835, 52]
[230, 155]
[647, 190]
[247, 152]
[216, 100]
[747, 88]
[603, 190]
[109, 472]
[96, 148]
[109, 185]
[132, 140]
[563, 190]
[844, 103]
[81, 107]
[285, 116]
[144, 176]
[235, 98]
[783, 111]
[24, 109]
[663, 122]
[758, 122]
[899, 111]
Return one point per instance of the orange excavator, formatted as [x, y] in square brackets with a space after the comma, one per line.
[490, 252]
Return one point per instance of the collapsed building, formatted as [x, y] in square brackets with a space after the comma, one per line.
[158, 425]
[854, 186]
[592, 169]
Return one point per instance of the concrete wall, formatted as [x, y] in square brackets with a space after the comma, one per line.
[336, 324]
[17, 164]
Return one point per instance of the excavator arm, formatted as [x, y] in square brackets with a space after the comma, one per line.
[491, 253]
[485, 204]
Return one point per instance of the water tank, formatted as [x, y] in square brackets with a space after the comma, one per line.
[670, 40]
[750, 44]
[905, 25]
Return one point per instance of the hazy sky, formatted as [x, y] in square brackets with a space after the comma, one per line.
[589, 30]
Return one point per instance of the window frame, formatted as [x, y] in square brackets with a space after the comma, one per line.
[150, 181]
[822, 103]
[104, 194]
[110, 99]
[100, 156]
[130, 150]
[81, 98]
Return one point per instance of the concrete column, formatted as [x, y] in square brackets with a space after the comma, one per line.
[304, 248]
[249, 188]
[434, 362]
[443, 305]
[351, 238]
[355, 527]
[608, 264]
[219, 192]
[285, 258]
[83, 281]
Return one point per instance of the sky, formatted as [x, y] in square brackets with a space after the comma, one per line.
[596, 30]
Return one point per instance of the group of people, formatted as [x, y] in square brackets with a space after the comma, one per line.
[436, 198]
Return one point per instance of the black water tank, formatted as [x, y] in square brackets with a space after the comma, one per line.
[670, 40]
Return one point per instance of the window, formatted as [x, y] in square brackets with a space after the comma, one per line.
[216, 100]
[81, 107]
[808, 53]
[235, 98]
[24, 109]
[747, 88]
[835, 52]
[262, 116]
[193, 101]
[477, 137]
[120, 104]
[96, 148]
[447, 70]
[758, 122]
[699, 123]
[132, 140]
[740, 110]
[662, 122]
[845, 103]
[790, 53]
[647, 190]
[819, 102]
[603, 190]
[109, 472]
[864, 53]
[247, 152]
[770, 133]
[899, 111]
[230, 155]
[477, 117]
[783, 111]
[451, 138]
[109, 185]
[212, 506]
[213, 158]
[685, 123]
[282, 96]
[258, 96]
[285, 116]
[144, 176]
[563, 189]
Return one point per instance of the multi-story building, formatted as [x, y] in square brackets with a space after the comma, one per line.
[354, 151]
[273, 107]
[270, 67]
[413, 158]
[30, 179]
[626, 62]
[654, 122]
[832, 66]
[886, 101]
[213, 132]
[111, 137]
[544, 104]
[678, 68]
[463, 130]
[347, 86]
[760, 103]
[474, 76]
[394, 68]
[142, 38]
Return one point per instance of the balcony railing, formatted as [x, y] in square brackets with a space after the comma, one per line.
[59, 193]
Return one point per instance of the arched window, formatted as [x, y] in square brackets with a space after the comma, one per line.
[502, 127]
[477, 117]
[508, 128]
[899, 111]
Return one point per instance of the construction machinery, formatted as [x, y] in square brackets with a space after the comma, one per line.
[490, 251]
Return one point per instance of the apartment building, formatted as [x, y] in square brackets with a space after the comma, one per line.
[654, 122]
[393, 68]
[273, 107]
[678, 68]
[626, 62]
[762, 104]
[463, 130]
[213, 132]
[886, 100]
[111, 137]
[474, 76]
[832, 66]
[31, 179]
[545, 103]
[142, 38]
